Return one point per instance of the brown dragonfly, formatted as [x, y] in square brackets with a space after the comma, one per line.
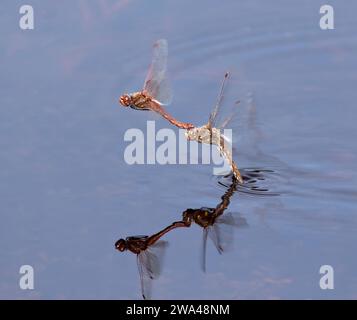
[210, 133]
[215, 224]
[157, 91]
[149, 251]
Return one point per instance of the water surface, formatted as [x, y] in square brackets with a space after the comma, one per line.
[67, 194]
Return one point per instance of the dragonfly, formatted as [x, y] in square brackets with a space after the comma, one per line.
[216, 224]
[157, 92]
[149, 251]
[211, 134]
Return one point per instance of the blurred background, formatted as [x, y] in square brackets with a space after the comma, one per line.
[66, 193]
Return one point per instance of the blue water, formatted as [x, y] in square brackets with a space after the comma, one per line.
[67, 193]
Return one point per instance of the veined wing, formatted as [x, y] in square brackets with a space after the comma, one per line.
[245, 131]
[149, 265]
[230, 118]
[212, 121]
[145, 282]
[156, 82]
[214, 235]
[223, 230]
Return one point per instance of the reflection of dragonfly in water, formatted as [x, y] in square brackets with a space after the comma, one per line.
[215, 224]
[211, 134]
[149, 251]
[156, 92]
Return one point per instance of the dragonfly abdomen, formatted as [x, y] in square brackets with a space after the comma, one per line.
[225, 151]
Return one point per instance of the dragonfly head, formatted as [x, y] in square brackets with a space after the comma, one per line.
[187, 216]
[120, 245]
[125, 100]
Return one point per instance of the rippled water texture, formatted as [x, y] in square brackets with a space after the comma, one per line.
[67, 194]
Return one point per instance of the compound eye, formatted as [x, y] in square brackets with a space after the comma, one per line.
[120, 245]
[125, 100]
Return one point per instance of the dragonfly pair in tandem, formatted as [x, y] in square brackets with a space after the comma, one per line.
[157, 93]
[216, 224]
[149, 251]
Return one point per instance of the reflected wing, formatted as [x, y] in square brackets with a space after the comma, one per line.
[156, 82]
[155, 255]
[234, 220]
[223, 228]
[212, 121]
[214, 234]
[145, 282]
[204, 248]
[149, 265]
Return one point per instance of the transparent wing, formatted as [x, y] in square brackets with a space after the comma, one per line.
[163, 92]
[230, 219]
[152, 259]
[233, 115]
[204, 249]
[212, 121]
[149, 264]
[155, 254]
[241, 119]
[214, 235]
[145, 281]
[223, 230]
[245, 133]
[156, 82]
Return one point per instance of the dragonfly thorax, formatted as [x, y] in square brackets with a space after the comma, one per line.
[137, 100]
[203, 217]
[204, 135]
